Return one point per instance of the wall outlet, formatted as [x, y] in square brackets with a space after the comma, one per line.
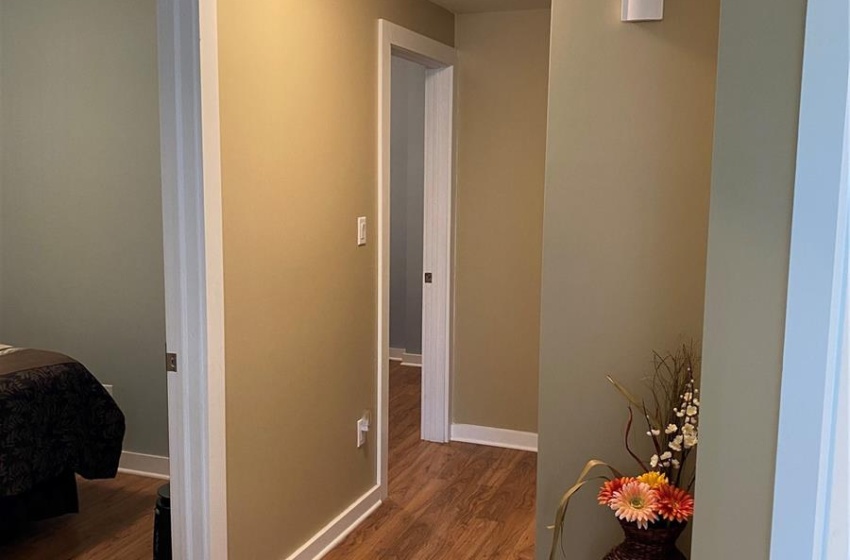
[363, 428]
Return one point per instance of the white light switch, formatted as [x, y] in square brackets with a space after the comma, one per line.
[361, 231]
[363, 428]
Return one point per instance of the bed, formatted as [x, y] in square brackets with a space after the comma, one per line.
[56, 421]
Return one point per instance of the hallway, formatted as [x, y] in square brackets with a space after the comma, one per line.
[455, 501]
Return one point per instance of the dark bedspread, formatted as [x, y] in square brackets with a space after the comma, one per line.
[55, 417]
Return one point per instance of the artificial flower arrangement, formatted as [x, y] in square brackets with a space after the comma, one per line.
[655, 506]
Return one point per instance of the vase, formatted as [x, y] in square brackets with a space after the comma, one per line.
[654, 543]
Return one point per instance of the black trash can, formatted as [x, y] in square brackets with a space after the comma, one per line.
[162, 525]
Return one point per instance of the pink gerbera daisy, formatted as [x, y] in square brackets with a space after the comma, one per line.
[635, 502]
[674, 504]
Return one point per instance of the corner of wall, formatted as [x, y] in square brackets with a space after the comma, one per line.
[2, 166]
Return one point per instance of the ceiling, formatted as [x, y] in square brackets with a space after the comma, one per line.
[473, 6]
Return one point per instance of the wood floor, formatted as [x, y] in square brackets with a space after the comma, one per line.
[115, 522]
[448, 502]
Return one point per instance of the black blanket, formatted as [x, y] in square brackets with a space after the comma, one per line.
[55, 418]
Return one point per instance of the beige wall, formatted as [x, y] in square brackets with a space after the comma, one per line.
[626, 215]
[81, 268]
[477, 6]
[751, 204]
[503, 65]
[299, 162]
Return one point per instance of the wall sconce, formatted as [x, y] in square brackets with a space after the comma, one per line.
[643, 10]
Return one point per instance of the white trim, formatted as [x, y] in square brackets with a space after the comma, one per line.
[334, 532]
[214, 255]
[140, 464]
[406, 359]
[191, 186]
[838, 527]
[413, 46]
[817, 282]
[411, 360]
[494, 437]
[393, 39]
[436, 296]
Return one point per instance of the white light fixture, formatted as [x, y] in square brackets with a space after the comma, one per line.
[643, 10]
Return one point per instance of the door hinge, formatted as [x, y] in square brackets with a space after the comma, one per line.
[429, 278]
[171, 362]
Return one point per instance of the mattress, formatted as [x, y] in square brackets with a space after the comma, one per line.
[55, 417]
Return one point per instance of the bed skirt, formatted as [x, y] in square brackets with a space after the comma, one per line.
[52, 498]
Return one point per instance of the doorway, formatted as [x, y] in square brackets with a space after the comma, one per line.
[437, 62]
[407, 196]
[84, 394]
[186, 70]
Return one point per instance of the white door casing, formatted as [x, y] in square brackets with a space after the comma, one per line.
[817, 294]
[191, 187]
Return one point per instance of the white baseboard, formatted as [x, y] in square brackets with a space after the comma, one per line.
[414, 360]
[328, 538]
[139, 464]
[401, 355]
[494, 437]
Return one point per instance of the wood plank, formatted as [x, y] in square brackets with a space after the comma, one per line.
[456, 501]
[115, 521]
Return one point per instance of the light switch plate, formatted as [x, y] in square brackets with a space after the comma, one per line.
[361, 231]
[363, 428]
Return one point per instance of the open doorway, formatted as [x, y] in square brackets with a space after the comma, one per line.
[102, 151]
[419, 73]
[407, 197]
[83, 387]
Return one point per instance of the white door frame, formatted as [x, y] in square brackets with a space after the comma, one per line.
[439, 61]
[191, 191]
[817, 295]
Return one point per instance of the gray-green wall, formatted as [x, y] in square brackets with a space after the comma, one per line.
[758, 93]
[631, 116]
[407, 200]
[81, 267]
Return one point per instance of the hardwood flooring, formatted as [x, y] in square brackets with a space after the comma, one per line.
[115, 523]
[447, 502]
